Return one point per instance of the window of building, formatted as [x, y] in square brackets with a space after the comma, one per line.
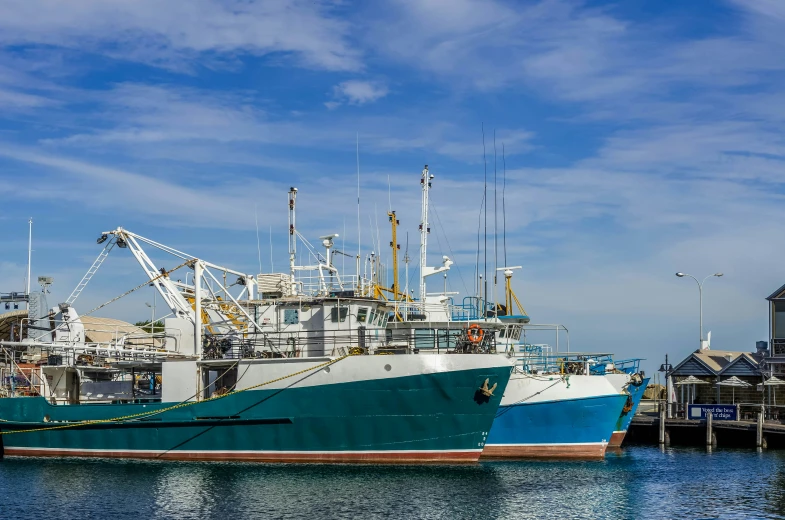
[779, 320]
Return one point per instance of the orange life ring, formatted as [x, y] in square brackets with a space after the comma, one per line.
[475, 333]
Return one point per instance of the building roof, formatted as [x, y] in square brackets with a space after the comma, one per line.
[718, 362]
[102, 330]
[778, 294]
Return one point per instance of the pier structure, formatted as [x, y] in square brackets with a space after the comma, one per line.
[749, 429]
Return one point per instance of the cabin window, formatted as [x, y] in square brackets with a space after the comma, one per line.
[382, 319]
[372, 318]
[339, 314]
[362, 314]
[291, 317]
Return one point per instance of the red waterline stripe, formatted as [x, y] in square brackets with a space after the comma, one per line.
[345, 457]
[616, 439]
[545, 451]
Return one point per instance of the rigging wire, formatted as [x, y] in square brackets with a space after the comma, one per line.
[504, 210]
[258, 242]
[485, 219]
[495, 226]
[477, 286]
[457, 267]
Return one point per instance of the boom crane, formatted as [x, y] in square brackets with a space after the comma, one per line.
[93, 268]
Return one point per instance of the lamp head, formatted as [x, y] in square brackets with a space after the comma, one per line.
[680, 275]
[718, 274]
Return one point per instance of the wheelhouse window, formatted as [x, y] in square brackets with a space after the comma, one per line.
[339, 314]
[362, 314]
[291, 316]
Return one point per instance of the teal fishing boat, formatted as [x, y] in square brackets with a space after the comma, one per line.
[263, 368]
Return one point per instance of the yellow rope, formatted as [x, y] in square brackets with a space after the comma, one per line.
[179, 405]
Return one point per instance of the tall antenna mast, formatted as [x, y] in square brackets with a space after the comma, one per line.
[258, 242]
[29, 258]
[292, 236]
[495, 232]
[406, 261]
[504, 209]
[359, 248]
[272, 265]
[425, 182]
[485, 221]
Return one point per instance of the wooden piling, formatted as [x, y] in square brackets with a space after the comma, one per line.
[709, 434]
[662, 425]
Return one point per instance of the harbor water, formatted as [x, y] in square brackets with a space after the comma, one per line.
[638, 482]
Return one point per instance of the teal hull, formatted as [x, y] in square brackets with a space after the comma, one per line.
[429, 417]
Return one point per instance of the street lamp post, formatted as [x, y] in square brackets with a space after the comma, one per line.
[152, 316]
[700, 293]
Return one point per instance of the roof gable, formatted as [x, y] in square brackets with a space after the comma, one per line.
[743, 365]
[779, 293]
[693, 366]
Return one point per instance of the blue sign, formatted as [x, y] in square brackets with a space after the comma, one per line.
[719, 412]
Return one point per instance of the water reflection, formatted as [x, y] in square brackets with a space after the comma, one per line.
[633, 483]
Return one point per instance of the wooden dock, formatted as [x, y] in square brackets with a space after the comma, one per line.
[758, 433]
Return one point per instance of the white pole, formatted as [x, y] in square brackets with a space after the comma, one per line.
[425, 181]
[198, 308]
[359, 229]
[292, 237]
[29, 259]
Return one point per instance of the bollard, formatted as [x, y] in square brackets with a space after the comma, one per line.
[709, 439]
[662, 425]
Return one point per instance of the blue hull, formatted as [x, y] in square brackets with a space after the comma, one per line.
[624, 420]
[570, 428]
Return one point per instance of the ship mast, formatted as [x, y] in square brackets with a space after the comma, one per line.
[292, 238]
[395, 246]
[425, 182]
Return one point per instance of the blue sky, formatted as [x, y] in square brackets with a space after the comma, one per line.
[641, 139]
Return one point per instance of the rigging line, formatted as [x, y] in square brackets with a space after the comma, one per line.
[145, 284]
[477, 257]
[272, 267]
[495, 224]
[504, 210]
[485, 219]
[412, 275]
[389, 194]
[258, 242]
[359, 228]
[507, 408]
[458, 268]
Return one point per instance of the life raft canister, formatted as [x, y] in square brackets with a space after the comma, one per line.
[475, 333]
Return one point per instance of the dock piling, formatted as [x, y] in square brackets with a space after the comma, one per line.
[709, 433]
[760, 442]
[662, 425]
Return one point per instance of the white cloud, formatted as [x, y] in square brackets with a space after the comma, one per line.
[184, 34]
[357, 92]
